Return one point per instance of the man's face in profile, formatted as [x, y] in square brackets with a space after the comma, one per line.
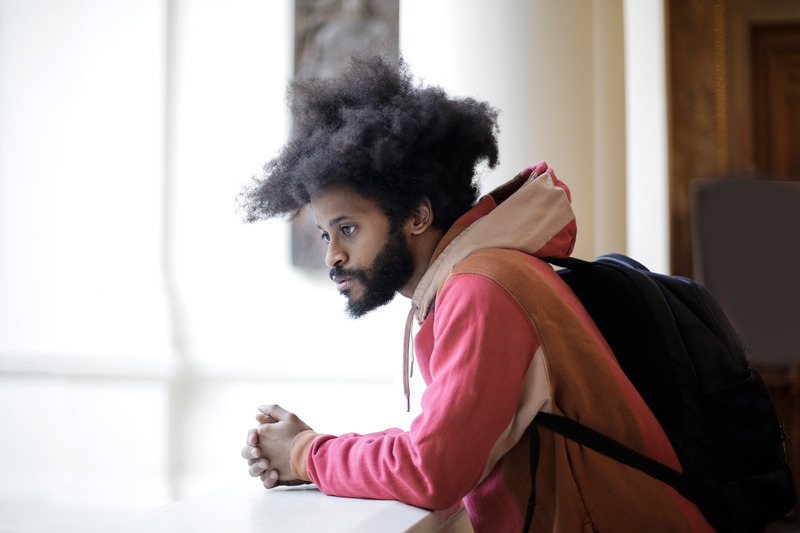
[370, 261]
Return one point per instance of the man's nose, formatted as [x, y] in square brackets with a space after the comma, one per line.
[335, 255]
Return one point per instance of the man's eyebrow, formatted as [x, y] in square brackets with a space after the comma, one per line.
[334, 221]
[338, 219]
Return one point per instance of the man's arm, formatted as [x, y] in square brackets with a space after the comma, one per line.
[483, 346]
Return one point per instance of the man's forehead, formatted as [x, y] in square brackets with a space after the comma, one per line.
[338, 201]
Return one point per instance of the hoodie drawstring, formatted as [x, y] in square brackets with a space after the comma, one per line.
[408, 356]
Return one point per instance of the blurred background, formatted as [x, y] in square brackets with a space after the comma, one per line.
[142, 323]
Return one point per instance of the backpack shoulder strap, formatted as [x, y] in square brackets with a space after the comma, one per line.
[613, 449]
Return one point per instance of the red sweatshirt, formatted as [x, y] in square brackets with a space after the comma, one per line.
[502, 338]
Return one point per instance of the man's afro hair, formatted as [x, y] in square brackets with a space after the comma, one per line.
[391, 140]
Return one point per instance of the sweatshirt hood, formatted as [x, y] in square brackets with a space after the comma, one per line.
[531, 213]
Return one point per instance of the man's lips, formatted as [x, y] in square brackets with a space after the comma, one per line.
[342, 283]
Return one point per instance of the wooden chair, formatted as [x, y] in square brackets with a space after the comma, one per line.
[746, 246]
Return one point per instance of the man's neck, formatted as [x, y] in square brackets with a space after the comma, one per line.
[422, 248]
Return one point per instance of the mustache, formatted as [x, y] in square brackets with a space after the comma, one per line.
[350, 273]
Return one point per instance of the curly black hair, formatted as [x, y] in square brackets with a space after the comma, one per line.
[390, 139]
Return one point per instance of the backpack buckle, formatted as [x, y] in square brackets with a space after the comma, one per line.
[784, 439]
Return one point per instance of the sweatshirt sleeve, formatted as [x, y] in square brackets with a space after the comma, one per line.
[482, 347]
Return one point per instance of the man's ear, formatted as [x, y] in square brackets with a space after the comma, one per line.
[422, 217]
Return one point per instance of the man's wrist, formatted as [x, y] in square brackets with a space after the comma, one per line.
[298, 457]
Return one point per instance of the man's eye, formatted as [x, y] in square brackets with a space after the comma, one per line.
[348, 230]
[325, 237]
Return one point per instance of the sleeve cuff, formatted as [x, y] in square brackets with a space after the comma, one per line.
[298, 458]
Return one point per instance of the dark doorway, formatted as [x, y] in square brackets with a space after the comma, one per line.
[776, 100]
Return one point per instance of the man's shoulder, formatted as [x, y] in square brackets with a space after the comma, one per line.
[498, 262]
[511, 269]
[530, 282]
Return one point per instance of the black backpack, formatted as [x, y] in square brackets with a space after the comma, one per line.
[679, 350]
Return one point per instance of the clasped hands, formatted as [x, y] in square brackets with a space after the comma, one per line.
[268, 449]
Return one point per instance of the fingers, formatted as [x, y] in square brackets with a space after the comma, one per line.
[258, 467]
[270, 479]
[274, 411]
[252, 437]
[251, 452]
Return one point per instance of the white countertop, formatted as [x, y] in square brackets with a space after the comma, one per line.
[242, 509]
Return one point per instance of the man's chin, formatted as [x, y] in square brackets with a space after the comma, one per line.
[358, 307]
[356, 313]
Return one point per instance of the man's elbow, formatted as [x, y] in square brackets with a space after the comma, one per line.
[440, 495]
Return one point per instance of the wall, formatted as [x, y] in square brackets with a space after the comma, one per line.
[555, 71]
[646, 127]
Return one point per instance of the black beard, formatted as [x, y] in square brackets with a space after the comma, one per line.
[391, 269]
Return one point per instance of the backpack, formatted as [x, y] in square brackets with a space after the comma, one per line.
[675, 344]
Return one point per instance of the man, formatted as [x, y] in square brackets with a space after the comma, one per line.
[388, 167]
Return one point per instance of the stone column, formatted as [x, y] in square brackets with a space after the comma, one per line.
[327, 33]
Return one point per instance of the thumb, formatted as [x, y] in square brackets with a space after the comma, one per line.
[274, 411]
[264, 419]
